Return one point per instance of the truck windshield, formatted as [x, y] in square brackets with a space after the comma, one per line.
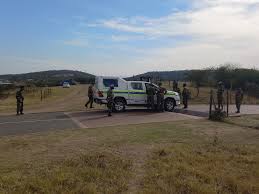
[108, 82]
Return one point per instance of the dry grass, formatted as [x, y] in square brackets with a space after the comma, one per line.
[203, 168]
[61, 99]
[34, 99]
[249, 121]
[194, 156]
[94, 173]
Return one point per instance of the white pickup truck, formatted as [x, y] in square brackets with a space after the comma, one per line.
[129, 93]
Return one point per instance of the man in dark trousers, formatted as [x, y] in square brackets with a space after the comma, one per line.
[220, 95]
[151, 97]
[19, 101]
[90, 96]
[239, 98]
[175, 85]
[185, 96]
[161, 98]
[110, 98]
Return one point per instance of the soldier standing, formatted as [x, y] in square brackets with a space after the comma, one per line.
[150, 97]
[90, 96]
[220, 93]
[178, 90]
[185, 96]
[19, 101]
[110, 97]
[175, 86]
[161, 98]
[239, 98]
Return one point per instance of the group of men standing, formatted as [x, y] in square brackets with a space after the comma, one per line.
[185, 93]
[160, 94]
[152, 92]
[239, 95]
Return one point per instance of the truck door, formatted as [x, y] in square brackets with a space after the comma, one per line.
[137, 93]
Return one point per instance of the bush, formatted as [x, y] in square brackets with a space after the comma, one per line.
[218, 115]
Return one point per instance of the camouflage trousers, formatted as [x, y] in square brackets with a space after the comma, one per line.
[238, 105]
[109, 106]
[220, 102]
[19, 108]
[160, 102]
[185, 101]
[151, 102]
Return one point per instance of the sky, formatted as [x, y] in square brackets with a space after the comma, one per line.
[127, 37]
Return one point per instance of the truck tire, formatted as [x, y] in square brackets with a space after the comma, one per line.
[170, 104]
[119, 105]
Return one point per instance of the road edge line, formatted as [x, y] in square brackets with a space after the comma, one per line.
[78, 123]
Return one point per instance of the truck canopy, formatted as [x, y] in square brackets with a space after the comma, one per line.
[104, 82]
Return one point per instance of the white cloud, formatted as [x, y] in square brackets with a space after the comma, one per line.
[216, 17]
[220, 31]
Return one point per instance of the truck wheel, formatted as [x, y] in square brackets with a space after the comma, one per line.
[119, 105]
[170, 104]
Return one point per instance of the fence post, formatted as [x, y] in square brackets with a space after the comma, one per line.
[227, 102]
[211, 93]
[41, 94]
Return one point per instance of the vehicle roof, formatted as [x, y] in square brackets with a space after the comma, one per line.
[109, 77]
[140, 82]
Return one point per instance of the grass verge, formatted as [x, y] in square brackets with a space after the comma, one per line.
[94, 173]
[203, 168]
[191, 156]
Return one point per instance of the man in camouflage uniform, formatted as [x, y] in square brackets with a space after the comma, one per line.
[19, 101]
[110, 97]
[185, 96]
[161, 98]
[175, 85]
[90, 96]
[150, 97]
[239, 98]
[220, 93]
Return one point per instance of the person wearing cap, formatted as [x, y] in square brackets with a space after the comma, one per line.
[90, 97]
[239, 98]
[220, 93]
[161, 98]
[19, 101]
[185, 95]
[110, 97]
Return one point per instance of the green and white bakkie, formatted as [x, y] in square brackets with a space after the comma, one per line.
[129, 93]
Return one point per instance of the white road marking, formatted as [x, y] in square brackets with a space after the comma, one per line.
[34, 121]
[80, 124]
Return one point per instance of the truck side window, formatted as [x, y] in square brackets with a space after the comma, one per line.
[108, 82]
[137, 86]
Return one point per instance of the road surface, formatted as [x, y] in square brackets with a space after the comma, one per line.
[41, 122]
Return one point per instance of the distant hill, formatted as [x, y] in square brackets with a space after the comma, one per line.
[163, 75]
[51, 78]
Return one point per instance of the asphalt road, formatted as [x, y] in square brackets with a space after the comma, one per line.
[41, 122]
[31, 123]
